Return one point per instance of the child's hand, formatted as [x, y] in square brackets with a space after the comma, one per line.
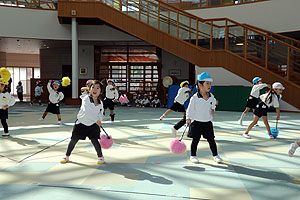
[98, 123]
[212, 112]
[50, 81]
[278, 117]
[5, 107]
[115, 100]
[188, 121]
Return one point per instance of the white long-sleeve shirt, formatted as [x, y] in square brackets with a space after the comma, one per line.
[199, 109]
[54, 96]
[182, 95]
[274, 103]
[256, 88]
[111, 94]
[38, 90]
[89, 113]
[6, 99]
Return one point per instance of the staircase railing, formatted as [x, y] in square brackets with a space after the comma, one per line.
[246, 41]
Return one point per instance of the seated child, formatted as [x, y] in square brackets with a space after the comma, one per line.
[145, 101]
[155, 103]
[138, 101]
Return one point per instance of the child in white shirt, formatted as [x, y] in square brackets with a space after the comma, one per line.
[252, 100]
[178, 105]
[111, 97]
[138, 101]
[6, 100]
[88, 122]
[38, 90]
[145, 102]
[269, 99]
[155, 102]
[55, 96]
[199, 116]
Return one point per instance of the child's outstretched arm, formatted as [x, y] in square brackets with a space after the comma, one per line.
[278, 113]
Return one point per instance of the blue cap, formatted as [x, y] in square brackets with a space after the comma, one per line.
[256, 79]
[58, 82]
[204, 76]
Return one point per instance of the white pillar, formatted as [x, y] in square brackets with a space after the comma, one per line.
[74, 82]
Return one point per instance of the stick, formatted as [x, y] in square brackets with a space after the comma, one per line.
[183, 132]
[276, 124]
[105, 132]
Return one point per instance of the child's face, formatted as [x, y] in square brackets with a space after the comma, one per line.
[205, 87]
[55, 86]
[110, 83]
[2, 87]
[259, 82]
[278, 91]
[95, 90]
[186, 86]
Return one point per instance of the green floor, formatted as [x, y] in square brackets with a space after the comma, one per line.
[140, 165]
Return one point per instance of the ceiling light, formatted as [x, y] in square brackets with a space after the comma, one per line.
[239, 44]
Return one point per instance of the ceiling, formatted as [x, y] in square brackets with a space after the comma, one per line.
[28, 46]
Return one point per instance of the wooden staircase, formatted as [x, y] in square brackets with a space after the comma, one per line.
[181, 34]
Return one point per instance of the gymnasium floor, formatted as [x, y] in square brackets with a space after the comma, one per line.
[139, 165]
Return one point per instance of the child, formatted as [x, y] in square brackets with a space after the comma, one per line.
[253, 97]
[88, 122]
[20, 91]
[155, 102]
[199, 115]
[138, 101]
[145, 102]
[6, 100]
[85, 90]
[293, 148]
[269, 99]
[111, 97]
[55, 97]
[38, 90]
[178, 105]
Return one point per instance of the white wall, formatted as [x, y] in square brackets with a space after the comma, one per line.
[86, 59]
[170, 62]
[272, 15]
[223, 77]
[43, 24]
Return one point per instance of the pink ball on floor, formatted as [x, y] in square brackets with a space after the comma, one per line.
[177, 147]
[105, 142]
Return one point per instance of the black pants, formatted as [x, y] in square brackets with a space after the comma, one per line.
[94, 141]
[211, 142]
[180, 123]
[5, 126]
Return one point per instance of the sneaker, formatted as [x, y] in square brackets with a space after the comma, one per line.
[31, 104]
[240, 122]
[5, 134]
[41, 119]
[292, 149]
[218, 159]
[65, 159]
[256, 125]
[59, 123]
[161, 117]
[271, 136]
[174, 131]
[246, 135]
[194, 159]
[100, 160]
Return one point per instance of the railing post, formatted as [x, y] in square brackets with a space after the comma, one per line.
[211, 33]
[200, 4]
[158, 13]
[120, 3]
[180, 5]
[168, 21]
[245, 42]
[288, 67]
[147, 12]
[197, 32]
[140, 1]
[177, 24]
[267, 53]
[226, 34]
[190, 24]
[39, 3]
